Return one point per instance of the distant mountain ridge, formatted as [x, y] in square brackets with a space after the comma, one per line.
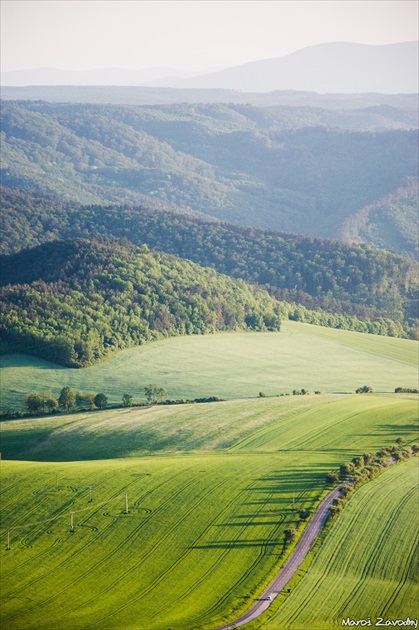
[334, 67]
[339, 67]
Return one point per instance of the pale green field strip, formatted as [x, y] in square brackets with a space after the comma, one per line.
[202, 536]
[230, 365]
[348, 425]
[396, 349]
[368, 565]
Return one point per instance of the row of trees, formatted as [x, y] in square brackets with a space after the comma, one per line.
[68, 399]
[46, 402]
[295, 392]
[365, 467]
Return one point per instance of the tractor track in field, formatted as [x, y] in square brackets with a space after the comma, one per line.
[287, 572]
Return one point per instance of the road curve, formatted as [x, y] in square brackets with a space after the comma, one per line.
[284, 576]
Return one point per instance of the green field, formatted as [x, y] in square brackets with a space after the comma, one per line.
[346, 425]
[229, 365]
[368, 566]
[210, 490]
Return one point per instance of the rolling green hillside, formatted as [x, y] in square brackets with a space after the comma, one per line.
[76, 302]
[236, 163]
[298, 423]
[174, 516]
[229, 365]
[368, 564]
[205, 528]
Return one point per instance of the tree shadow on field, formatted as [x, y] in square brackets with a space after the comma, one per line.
[249, 523]
[399, 430]
[237, 544]
[294, 484]
[71, 444]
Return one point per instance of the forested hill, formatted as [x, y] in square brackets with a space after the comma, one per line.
[75, 302]
[315, 272]
[292, 169]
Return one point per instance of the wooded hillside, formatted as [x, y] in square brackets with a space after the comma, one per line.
[287, 169]
[317, 273]
[75, 302]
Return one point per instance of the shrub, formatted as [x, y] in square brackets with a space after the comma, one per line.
[331, 478]
[290, 534]
[365, 389]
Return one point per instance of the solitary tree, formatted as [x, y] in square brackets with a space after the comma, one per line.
[67, 398]
[346, 469]
[51, 403]
[290, 534]
[100, 401]
[368, 458]
[127, 400]
[365, 389]
[90, 399]
[331, 478]
[80, 400]
[154, 393]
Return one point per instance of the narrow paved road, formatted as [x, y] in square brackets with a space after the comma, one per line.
[284, 576]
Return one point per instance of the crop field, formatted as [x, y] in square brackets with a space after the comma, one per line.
[368, 566]
[209, 497]
[229, 365]
[348, 425]
[201, 535]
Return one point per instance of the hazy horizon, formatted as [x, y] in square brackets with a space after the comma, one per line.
[192, 37]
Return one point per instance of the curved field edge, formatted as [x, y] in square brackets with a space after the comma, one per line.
[344, 425]
[229, 365]
[367, 566]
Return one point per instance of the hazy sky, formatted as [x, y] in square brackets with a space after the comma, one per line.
[190, 34]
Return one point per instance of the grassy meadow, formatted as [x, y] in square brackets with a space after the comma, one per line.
[368, 565]
[229, 365]
[210, 490]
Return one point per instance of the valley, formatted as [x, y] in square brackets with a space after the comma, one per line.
[248, 166]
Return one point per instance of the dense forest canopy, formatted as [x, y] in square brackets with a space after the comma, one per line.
[318, 273]
[75, 302]
[279, 168]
